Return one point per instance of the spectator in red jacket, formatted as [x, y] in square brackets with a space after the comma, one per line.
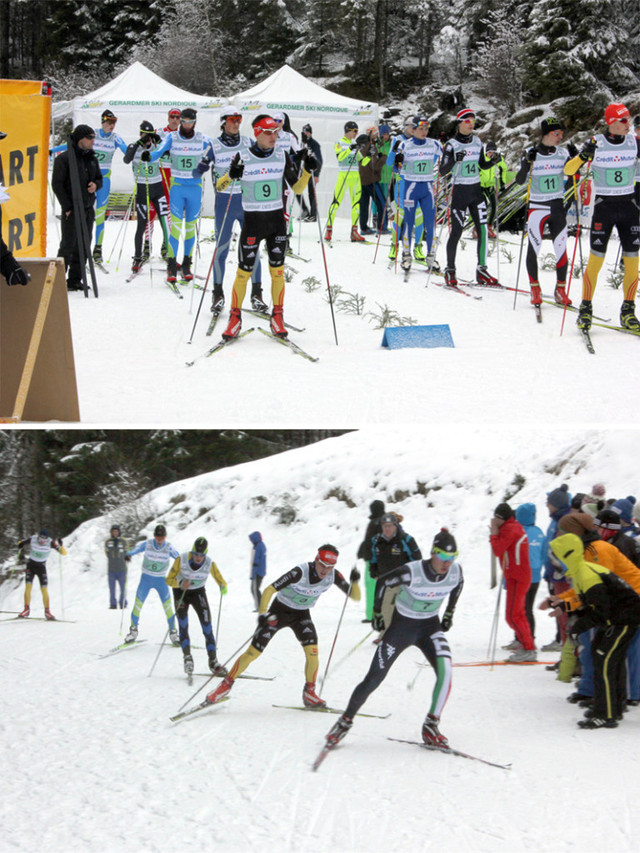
[510, 545]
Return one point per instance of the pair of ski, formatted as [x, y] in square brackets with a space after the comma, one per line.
[122, 647]
[225, 342]
[260, 314]
[35, 619]
[206, 704]
[449, 750]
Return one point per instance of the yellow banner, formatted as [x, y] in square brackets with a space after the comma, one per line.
[25, 116]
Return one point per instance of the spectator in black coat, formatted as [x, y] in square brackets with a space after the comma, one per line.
[313, 146]
[391, 548]
[82, 139]
[376, 511]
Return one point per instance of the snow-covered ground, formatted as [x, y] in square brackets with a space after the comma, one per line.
[131, 346]
[92, 763]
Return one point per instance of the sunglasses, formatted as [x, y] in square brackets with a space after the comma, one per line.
[444, 555]
[188, 121]
[109, 120]
[234, 118]
[623, 120]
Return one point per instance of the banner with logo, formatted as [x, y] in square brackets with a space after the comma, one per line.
[25, 116]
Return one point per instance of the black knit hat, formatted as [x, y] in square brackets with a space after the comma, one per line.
[550, 123]
[444, 541]
[503, 511]
[608, 519]
[82, 131]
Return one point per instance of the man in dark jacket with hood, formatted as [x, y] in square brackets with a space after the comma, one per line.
[376, 511]
[82, 139]
[391, 548]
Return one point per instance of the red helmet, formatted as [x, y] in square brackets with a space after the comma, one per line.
[614, 112]
[327, 554]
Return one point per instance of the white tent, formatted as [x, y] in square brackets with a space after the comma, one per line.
[306, 102]
[136, 94]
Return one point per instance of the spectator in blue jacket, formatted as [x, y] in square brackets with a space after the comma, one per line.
[258, 565]
[526, 515]
[558, 504]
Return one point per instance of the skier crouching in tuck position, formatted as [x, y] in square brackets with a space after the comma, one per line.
[263, 169]
[424, 584]
[296, 593]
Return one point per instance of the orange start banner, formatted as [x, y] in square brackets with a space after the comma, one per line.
[25, 117]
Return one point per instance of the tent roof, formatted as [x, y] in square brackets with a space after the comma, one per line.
[286, 87]
[139, 85]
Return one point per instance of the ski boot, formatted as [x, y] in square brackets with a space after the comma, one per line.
[310, 698]
[258, 303]
[187, 275]
[419, 253]
[628, 319]
[405, 263]
[431, 734]
[97, 254]
[536, 298]
[339, 730]
[48, 615]
[277, 322]
[221, 690]
[355, 237]
[561, 296]
[172, 270]
[483, 276]
[393, 252]
[136, 266]
[174, 638]
[217, 668]
[132, 636]
[146, 251]
[25, 613]
[450, 278]
[217, 303]
[188, 664]
[235, 324]
[585, 313]
[432, 264]
[328, 234]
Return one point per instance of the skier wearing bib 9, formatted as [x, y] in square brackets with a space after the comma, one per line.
[296, 593]
[187, 148]
[424, 584]
[464, 157]
[104, 147]
[613, 157]
[228, 205]
[40, 545]
[543, 165]
[262, 170]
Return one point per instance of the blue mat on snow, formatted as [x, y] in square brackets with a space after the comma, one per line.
[399, 337]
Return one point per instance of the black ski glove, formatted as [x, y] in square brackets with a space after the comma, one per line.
[447, 620]
[267, 620]
[13, 272]
[310, 163]
[354, 577]
[588, 149]
[530, 155]
[398, 160]
[236, 169]
[459, 156]
[377, 622]
[146, 156]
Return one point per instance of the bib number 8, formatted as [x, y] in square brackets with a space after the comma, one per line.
[617, 177]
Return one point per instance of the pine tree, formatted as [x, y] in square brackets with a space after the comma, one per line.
[498, 59]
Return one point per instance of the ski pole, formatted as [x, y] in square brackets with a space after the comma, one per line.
[493, 638]
[525, 230]
[449, 198]
[324, 258]
[215, 252]
[496, 182]
[153, 666]
[148, 223]
[412, 683]
[357, 646]
[575, 245]
[61, 585]
[218, 620]
[344, 607]
[237, 651]
[126, 217]
[124, 597]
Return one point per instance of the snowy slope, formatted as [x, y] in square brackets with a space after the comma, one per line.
[504, 366]
[92, 763]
